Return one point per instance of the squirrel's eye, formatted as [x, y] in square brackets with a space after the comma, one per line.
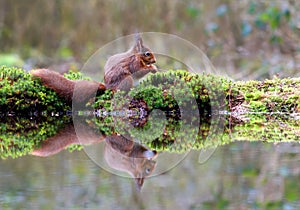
[147, 53]
[148, 170]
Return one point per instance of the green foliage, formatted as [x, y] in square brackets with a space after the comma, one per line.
[273, 205]
[250, 171]
[273, 96]
[172, 93]
[27, 110]
[11, 60]
[223, 27]
[166, 90]
[291, 191]
[103, 102]
[221, 203]
[192, 11]
[74, 147]
[270, 18]
[167, 95]
[64, 52]
[72, 75]
[20, 136]
[182, 111]
[22, 94]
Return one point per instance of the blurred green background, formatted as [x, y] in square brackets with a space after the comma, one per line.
[246, 38]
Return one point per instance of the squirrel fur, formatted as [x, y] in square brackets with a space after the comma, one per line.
[120, 71]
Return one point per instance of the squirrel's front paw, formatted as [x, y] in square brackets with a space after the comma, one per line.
[154, 69]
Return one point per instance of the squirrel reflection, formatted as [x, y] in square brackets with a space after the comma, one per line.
[120, 153]
[125, 155]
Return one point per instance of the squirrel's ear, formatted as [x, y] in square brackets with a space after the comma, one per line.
[138, 42]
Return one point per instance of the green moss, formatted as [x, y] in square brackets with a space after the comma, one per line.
[181, 111]
[21, 94]
[291, 191]
[276, 95]
[72, 75]
[254, 96]
[28, 112]
[103, 102]
[250, 172]
[258, 106]
[20, 136]
[173, 90]
[168, 89]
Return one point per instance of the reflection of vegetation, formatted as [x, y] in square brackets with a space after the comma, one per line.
[178, 137]
[20, 136]
[220, 204]
[26, 110]
[268, 128]
[172, 111]
[263, 119]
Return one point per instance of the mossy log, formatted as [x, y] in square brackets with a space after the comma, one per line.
[20, 91]
[213, 110]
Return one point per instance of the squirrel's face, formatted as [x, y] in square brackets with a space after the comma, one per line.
[144, 53]
[148, 57]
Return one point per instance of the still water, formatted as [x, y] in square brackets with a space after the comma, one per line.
[240, 175]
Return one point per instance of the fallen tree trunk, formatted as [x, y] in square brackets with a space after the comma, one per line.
[175, 111]
[19, 91]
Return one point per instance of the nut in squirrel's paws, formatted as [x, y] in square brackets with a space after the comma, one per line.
[153, 67]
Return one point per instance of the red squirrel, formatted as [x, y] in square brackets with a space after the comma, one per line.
[120, 71]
